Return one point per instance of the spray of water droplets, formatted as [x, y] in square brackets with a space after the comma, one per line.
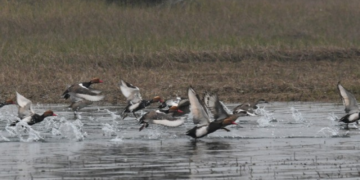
[24, 132]
[111, 129]
[266, 118]
[333, 130]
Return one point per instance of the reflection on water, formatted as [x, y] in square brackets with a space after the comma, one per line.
[289, 141]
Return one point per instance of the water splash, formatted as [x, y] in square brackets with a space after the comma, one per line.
[4, 138]
[63, 128]
[154, 132]
[266, 118]
[108, 130]
[24, 132]
[328, 132]
[111, 129]
[297, 116]
[117, 139]
[72, 130]
[113, 115]
[333, 119]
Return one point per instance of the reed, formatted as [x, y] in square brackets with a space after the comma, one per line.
[278, 50]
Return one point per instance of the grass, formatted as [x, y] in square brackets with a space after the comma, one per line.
[278, 50]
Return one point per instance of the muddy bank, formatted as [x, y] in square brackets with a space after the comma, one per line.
[235, 76]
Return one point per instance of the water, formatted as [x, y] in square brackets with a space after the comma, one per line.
[288, 141]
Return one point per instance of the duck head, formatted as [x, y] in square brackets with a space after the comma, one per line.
[49, 113]
[175, 109]
[157, 99]
[96, 80]
[228, 121]
[9, 101]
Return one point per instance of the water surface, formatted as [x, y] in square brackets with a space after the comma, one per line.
[289, 141]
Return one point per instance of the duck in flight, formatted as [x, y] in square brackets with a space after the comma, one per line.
[81, 95]
[351, 106]
[201, 118]
[248, 108]
[182, 104]
[134, 99]
[26, 112]
[166, 119]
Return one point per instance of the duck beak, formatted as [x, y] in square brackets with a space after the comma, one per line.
[100, 81]
[54, 114]
[234, 123]
[180, 111]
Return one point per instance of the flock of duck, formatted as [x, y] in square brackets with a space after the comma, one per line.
[208, 113]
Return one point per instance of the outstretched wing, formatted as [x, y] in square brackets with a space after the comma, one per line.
[212, 102]
[349, 100]
[200, 115]
[25, 106]
[132, 93]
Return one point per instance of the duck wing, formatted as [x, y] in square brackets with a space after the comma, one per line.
[25, 106]
[349, 100]
[184, 105]
[200, 114]
[172, 102]
[131, 92]
[254, 105]
[216, 108]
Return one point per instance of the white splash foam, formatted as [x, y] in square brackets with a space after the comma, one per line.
[333, 119]
[328, 132]
[111, 129]
[297, 116]
[117, 139]
[113, 115]
[69, 130]
[24, 132]
[266, 118]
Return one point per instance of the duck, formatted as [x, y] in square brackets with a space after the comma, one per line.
[87, 84]
[134, 99]
[26, 112]
[201, 116]
[248, 108]
[181, 103]
[158, 117]
[7, 102]
[81, 95]
[351, 106]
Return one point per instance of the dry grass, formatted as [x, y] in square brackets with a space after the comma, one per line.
[278, 50]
